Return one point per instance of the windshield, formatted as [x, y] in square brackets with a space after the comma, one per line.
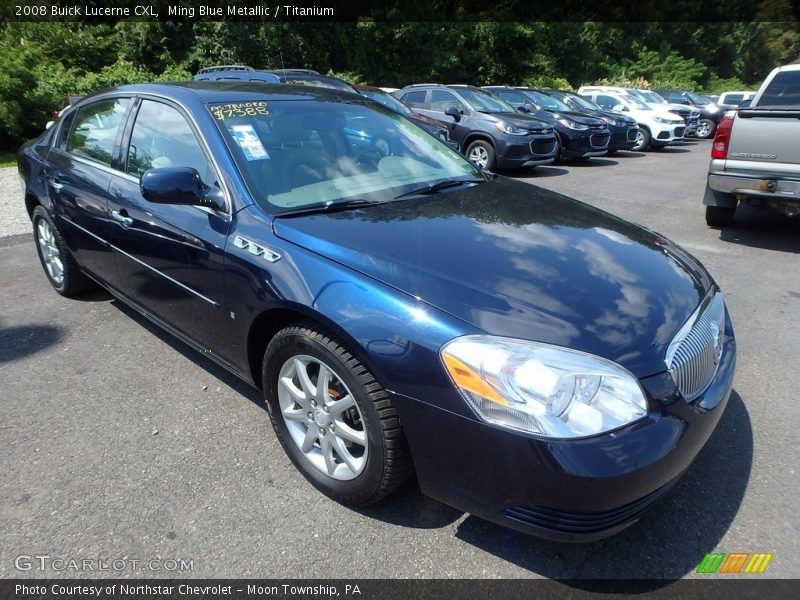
[699, 99]
[545, 101]
[387, 100]
[634, 102]
[582, 102]
[302, 153]
[485, 102]
[653, 97]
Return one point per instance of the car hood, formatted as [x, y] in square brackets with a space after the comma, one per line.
[582, 118]
[516, 118]
[516, 260]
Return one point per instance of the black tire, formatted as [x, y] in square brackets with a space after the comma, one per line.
[705, 129]
[489, 153]
[612, 152]
[719, 216]
[388, 460]
[558, 156]
[643, 139]
[73, 282]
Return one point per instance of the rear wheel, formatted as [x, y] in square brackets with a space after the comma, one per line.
[705, 129]
[60, 267]
[335, 422]
[481, 154]
[719, 216]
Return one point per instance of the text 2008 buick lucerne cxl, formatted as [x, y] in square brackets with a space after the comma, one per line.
[536, 361]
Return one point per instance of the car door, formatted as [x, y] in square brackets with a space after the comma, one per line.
[170, 258]
[439, 102]
[80, 168]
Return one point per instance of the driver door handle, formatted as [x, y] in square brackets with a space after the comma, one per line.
[122, 218]
[56, 184]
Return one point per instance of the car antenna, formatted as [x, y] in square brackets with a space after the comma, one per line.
[280, 53]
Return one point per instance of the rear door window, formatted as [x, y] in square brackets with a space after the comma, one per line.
[96, 128]
[415, 99]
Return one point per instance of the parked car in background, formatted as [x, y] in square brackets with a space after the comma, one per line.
[734, 99]
[657, 128]
[291, 76]
[535, 361]
[490, 132]
[432, 126]
[623, 129]
[689, 115]
[580, 136]
[755, 157]
[710, 111]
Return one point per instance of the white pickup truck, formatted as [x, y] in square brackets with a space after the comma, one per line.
[755, 157]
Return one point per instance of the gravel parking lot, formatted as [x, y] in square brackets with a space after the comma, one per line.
[119, 442]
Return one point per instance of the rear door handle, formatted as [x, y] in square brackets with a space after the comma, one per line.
[56, 184]
[122, 217]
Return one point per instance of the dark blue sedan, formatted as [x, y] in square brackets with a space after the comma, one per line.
[536, 361]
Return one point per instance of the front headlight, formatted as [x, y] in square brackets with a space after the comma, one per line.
[573, 124]
[609, 120]
[542, 389]
[510, 129]
[666, 121]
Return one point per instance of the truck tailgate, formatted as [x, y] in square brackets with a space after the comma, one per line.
[765, 141]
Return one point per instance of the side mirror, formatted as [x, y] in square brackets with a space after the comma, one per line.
[178, 185]
[685, 101]
[453, 112]
[523, 109]
[620, 108]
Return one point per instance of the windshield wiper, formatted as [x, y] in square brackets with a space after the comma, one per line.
[441, 185]
[329, 207]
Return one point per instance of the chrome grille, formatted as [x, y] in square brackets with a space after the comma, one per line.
[694, 353]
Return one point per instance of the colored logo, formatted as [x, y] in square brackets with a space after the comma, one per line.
[734, 562]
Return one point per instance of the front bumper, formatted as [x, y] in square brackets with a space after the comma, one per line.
[665, 134]
[568, 490]
[581, 144]
[526, 151]
[623, 138]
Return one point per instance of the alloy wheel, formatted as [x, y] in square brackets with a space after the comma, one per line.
[322, 417]
[703, 129]
[51, 257]
[479, 157]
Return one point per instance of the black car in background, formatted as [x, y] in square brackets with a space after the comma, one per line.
[710, 111]
[432, 126]
[292, 76]
[622, 128]
[490, 132]
[579, 136]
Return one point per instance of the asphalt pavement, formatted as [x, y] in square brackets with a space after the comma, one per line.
[117, 442]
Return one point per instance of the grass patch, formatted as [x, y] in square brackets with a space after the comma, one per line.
[8, 159]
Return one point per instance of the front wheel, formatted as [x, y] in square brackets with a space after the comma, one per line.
[705, 129]
[334, 420]
[481, 154]
[642, 139]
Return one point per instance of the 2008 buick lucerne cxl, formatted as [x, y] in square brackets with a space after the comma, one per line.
[536, 361]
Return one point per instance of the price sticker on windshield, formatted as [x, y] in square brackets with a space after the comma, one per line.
[239, 109]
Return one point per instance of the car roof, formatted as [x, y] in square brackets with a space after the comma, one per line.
[210, 92]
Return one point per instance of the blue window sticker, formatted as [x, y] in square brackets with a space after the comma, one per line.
[248, 141]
